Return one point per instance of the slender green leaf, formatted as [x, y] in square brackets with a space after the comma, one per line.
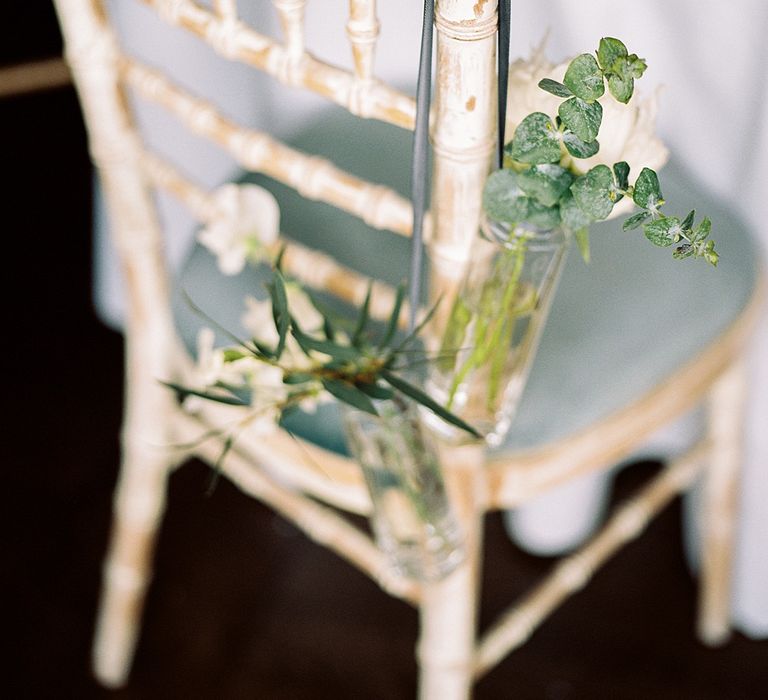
[427, 401]
[582, 118]
[362, 318]
[536, 140]
[375, 391]
[349, 394]
[584, 78]
[394, 317]
[280, 312]
[307, 343]
[182, 392]
[297, 377]
[233, 354]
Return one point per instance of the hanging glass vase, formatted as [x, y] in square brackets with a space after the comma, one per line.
[411, 516]
[493, 328]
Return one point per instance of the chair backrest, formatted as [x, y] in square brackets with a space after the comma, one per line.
[462, 128]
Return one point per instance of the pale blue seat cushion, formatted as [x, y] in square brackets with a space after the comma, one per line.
[617, 327]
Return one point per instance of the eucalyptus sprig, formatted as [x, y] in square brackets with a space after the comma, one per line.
[542, 185]
[354, 365]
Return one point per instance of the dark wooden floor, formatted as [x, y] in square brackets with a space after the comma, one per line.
[242, 606]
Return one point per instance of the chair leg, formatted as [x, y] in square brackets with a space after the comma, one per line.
[138, 508]
[448, 608]
[719, 504]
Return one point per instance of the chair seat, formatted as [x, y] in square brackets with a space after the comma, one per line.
[618, 326]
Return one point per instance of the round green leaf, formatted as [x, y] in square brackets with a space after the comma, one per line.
[584, 78]
[542, 216]
[663, 232]
[545, 182]
[578, 148]
[503, 198]
[609, 50]
[536, 140]
[647, 192]
[592, 192]
[621, 87]
[582, 118]
[572, 216]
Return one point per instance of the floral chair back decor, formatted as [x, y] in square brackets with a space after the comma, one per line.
[293, 360]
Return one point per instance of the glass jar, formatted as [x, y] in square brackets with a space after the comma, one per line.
[411, 515]
[491, 333]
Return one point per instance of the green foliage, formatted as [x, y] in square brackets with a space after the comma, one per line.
[582, 118]
[584, 78]
[534, 185]
[592, 192]
[545, 183]
[536, 140]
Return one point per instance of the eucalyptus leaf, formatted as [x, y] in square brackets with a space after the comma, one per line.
[609, 51]
[647, 192]
[621, 172]
[536, 140]
[578, 148]
[663, 232]
[545, 182]
[503, 198]
[554, 88]
[621, 87]
[582, 118]
[687, 224]
[592, 192]
[702, 230]
[683, 251]
[572, 216]
[636, 220]
[350, 394]
[584, 78]
[543, 217]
